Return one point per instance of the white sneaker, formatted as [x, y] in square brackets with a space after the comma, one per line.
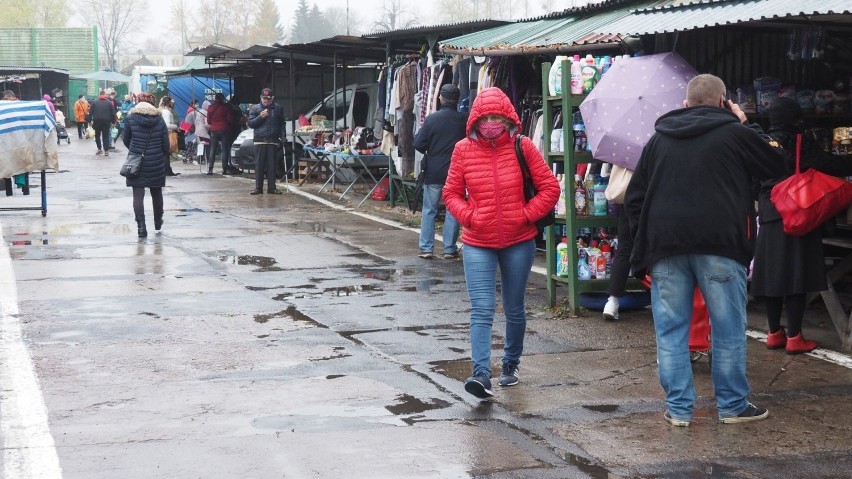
[610, 311]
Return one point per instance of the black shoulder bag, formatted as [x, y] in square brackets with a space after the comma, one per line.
[132, 167]
[529, 187]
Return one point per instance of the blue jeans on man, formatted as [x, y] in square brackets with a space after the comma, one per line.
[431, 201]
[480, 274]
[723, 282]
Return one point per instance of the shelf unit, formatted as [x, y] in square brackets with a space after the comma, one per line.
[569, 159]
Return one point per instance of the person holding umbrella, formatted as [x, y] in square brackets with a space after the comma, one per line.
[691, 213]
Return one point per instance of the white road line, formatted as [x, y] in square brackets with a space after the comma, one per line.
[28, 448]
[824, 354]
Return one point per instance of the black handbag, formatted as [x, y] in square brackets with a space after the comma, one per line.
[132, 166]
[529, 187]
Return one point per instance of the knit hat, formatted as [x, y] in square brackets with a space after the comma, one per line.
[784, 111]
[450, 93]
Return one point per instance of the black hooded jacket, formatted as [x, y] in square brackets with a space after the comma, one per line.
[691, 192]
[437, 138]
[146, 132]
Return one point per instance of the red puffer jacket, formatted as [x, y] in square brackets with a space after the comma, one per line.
[494, 213]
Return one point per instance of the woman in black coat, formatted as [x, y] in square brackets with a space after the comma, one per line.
[787, 267]
[146, 132]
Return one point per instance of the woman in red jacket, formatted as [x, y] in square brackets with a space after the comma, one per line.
[484, 191]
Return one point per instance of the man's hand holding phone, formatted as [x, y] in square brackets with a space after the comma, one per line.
[735, 109]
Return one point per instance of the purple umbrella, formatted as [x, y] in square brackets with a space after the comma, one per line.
[621, 110]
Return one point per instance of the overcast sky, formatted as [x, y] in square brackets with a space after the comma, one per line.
[365, 10]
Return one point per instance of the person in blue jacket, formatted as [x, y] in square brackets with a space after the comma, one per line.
[267, 120]
[437, 138]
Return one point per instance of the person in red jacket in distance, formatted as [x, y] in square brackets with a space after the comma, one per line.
[484, 192]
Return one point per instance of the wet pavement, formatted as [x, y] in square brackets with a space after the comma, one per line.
[295, 336]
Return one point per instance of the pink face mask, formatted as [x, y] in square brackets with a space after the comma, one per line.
[491, 129]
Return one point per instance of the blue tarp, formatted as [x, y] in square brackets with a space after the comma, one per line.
[186, 88]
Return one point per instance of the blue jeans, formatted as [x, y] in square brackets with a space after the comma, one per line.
[723, 283]
[480, 274]
[431, 200]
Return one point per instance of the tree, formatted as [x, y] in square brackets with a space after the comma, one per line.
[301, 27]
[51, 13]
[341, 23]
[33, 13]
[267, 28]
[179, 24]
[115, 20]
[394, 16]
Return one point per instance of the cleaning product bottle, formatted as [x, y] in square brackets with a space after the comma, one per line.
[562, 269]
[554, 77]
[590, 74]
[559, 209]
[606, 258]
[579, 196]
[599, 195]
[593, 253]
[576, 76]
[583, 270]
[589, 184]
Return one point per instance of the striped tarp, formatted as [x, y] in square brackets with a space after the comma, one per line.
[27, 138]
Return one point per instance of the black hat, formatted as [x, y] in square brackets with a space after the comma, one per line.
[784, 111]
[450, 93]
[266, 92]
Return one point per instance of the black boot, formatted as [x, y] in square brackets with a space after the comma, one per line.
[158, 221]
[140, 225]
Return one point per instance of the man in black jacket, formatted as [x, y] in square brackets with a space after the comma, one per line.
[103, 114]
[437, 138]
[691, 211]
[267, 119]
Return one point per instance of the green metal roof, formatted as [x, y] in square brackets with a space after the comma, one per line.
[682, 15]
[575, 32]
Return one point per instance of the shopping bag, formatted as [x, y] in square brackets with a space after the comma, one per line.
[806, 200]
[173, 142]
[619, 178]
[90, 132]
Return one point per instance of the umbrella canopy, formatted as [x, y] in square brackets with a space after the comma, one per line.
[104, 75]
[621, 110]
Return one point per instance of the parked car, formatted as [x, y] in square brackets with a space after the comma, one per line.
[357, 111]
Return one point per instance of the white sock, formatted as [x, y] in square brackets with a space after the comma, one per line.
[613, 299]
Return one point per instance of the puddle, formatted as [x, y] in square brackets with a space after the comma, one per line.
[384, 274]
[261, 336]
[411, 405]
[601, 407]
[351, 290]
[384, 305]
[264, 263]
[335, 376]
[289, 313]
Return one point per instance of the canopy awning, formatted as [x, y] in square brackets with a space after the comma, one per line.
[683, 15]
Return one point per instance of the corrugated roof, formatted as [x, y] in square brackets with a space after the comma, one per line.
[682, 15]
[548, 35]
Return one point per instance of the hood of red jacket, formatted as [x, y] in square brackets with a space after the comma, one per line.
[492, 101]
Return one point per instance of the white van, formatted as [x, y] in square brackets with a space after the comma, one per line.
[359, 110]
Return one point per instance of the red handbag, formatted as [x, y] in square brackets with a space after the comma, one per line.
[806, 200]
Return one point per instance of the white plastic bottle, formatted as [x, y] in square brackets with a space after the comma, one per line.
[576, 76]
[562, 268]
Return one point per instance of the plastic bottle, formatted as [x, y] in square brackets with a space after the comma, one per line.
[599, 195]
[583, 270]
[562, 268]
[606, 255]
[576, 76]
[593, 252]
[589, 184]
[554, 77]
[590, 74]
[580, 139]
[579, 196]
[559, 209]
[606, 63]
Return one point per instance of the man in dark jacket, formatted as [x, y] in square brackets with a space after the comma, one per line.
[219, 117]
[103, 114]
[267, 119]
[691, 213]
[436, 139]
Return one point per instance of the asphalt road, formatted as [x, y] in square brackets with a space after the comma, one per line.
[293, 336]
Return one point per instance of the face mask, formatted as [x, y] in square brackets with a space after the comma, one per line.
[491, 129]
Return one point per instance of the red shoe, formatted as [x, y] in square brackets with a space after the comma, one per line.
[776, 340]
[798, 345]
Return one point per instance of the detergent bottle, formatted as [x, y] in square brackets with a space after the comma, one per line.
[589, 73]
[599, 197]
[583, 270]
[593, 253]
[562, 269]
[554, 77]
[579, 196]
[559, 209]
[576, 76]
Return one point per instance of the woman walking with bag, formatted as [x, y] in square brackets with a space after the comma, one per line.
[146, 134]
[484, 191]
[170, 117]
